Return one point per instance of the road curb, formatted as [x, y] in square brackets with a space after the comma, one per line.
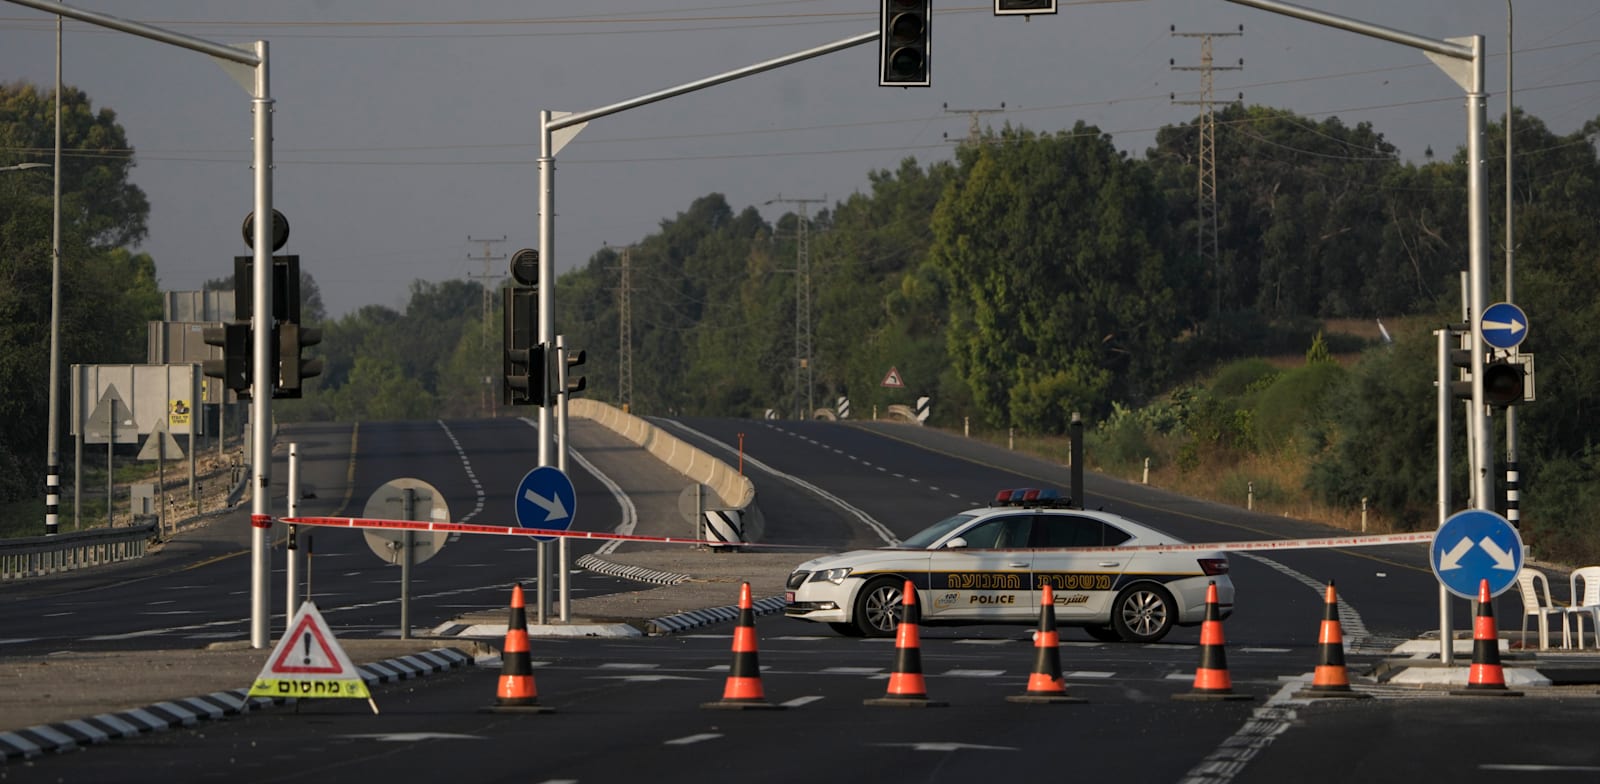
[40, 739]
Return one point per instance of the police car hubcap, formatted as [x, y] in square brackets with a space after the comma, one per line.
[1143, 612]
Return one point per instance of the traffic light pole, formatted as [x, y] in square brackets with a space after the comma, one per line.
[1462, 60]
[254, 59]
[556, 129]
[551, 140]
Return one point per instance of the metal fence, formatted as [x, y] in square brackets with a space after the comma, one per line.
[38, 555]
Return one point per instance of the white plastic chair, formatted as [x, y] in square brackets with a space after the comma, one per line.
[1535, 590]
[1585, 602]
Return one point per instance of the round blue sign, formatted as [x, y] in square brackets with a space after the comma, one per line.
[1504, 325]
[545, 499]
[1473, 546]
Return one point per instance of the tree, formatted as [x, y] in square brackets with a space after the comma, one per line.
[1054, 252]
[98, 202]
[108, 293]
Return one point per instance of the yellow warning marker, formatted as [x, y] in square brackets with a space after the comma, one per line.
[309, 663]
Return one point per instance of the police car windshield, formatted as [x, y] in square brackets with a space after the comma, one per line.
[925, 538]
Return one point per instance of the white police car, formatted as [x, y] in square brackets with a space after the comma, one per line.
[988, 565]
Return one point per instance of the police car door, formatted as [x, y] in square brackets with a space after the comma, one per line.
[1084, 583]
[987, 574]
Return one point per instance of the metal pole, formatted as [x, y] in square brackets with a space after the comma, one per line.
[264, 373]
[407, 548]
[1442, 447]
[1513, 475]
[292, 570]
[547, 222]
[547, 254]
[1477, 229]
[52, 480]
[543, 588]
[563, 587]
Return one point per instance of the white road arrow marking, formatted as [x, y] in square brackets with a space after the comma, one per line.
[552, 506]
[1513, 326]
[1502, 559]
[1451, 559]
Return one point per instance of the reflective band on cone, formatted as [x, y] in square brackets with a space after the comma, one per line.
[743, 689]
[1045, 684]
[1486, 678]
[1211, 680]
[906, 687]
[517, 692]
[1330, 679]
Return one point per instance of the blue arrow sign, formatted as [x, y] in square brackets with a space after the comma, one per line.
[1503, 325]
[1473, 546]
[545, 499]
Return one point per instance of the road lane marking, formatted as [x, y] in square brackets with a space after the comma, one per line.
[689, 739]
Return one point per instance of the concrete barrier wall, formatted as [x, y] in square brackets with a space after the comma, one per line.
[733, 490]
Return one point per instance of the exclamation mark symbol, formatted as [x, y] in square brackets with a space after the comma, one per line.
[307, 639]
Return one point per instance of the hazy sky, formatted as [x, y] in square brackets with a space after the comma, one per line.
[402, 128]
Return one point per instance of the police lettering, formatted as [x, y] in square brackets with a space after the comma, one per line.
[1002, 599]
[1074, 582]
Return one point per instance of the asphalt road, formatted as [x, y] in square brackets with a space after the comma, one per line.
[631, 707]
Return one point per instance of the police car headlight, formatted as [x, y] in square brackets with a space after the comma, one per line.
[834, 576]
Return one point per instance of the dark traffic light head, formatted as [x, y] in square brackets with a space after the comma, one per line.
[904, 40]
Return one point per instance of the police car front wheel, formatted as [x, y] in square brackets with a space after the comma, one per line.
[877, 610]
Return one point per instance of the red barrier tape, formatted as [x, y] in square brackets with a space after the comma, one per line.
[501, 530]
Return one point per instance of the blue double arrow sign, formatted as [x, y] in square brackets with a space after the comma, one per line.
[1473, 546]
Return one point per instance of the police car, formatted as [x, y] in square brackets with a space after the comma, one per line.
[988, 565]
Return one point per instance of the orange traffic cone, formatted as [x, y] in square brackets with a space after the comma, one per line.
[906, 687]
[1211, 681]
[1045, 684]
[743, 689]
[1486, 678]
[1330, 678]
[517, 691]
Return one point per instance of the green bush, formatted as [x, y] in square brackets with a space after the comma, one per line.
[1294, 402]
[1236, 379]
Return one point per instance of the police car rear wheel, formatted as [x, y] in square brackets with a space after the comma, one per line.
[1143, 613]
[877, 610]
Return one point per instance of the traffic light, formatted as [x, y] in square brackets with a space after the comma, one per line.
[234, 369]
[1502, 383]
[903, 43]
[1010, 7]
[1502, 380]
[573, 385]
[293, 368]
[524, 360]
[285, 287]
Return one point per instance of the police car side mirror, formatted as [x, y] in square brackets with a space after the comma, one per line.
[957, 543]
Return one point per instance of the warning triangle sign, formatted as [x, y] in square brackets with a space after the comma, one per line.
[892, 379]
[309, 662]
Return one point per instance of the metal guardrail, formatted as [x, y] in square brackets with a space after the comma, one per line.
[39, 555]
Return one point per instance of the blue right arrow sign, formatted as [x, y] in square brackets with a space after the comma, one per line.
[1504, 325]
